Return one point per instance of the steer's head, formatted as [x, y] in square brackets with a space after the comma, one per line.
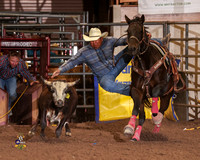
[59, 90]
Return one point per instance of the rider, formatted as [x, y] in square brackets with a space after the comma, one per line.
[98, 56]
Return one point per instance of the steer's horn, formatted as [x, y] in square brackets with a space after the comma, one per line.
[70, 84]
[48, 83]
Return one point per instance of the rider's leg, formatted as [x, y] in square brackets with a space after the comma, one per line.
[108, 83]
[11, 86]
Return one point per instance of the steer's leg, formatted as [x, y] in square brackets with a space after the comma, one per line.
[67, 129]
[33, 129]
[43, 123]
[61, 124]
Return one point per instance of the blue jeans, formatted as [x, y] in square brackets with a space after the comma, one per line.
[11, 86]
[108, 83]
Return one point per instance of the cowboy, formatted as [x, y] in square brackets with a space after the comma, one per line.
[98, 56]
[10, 66]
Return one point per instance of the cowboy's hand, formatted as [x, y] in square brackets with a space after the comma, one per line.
[33, 82]
[56, 73]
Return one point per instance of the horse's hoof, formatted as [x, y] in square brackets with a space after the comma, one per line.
[58, 133]
[31, 133]
[157, 119]
[69, 134]
[44, 138]
[128, 130]
[133, 140]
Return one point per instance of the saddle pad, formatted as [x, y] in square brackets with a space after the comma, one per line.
[160, 49]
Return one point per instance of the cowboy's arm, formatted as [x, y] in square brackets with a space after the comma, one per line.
[71, 63]
[26, 74]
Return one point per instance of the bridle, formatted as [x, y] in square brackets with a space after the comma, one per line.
[139, 43]
[142, 40]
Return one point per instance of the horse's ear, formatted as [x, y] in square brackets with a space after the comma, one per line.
[127, 19]
[143, 18]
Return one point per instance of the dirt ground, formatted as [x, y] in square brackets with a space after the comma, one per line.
[103, 141]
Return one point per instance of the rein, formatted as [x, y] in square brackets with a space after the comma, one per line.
[114, 64]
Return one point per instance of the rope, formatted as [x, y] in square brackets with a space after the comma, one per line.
[14, 103]
[190, 129]
[113, 56]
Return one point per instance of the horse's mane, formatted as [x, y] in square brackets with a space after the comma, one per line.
[135, 19]
[138, 19]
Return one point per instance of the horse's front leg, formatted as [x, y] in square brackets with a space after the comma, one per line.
[164, 104]
[138, 130]
[130, 127]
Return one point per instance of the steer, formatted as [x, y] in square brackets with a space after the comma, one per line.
[57, 103]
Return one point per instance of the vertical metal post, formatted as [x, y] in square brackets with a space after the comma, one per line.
[2, 30]
[35, 62]
[84, 92]
[186, 67]
[168, 31]
[87, 20]
[164, 29]
[84, 28]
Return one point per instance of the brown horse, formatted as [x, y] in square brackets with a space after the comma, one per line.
[153, 75]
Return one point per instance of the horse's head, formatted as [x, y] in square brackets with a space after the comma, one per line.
[135, 33]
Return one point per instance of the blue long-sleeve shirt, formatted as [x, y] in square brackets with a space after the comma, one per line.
[7, 72]
[99, 60]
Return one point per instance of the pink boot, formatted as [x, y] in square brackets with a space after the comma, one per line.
[136, 136]
[154, 108]
[157, 128]
[129, 129]
[157, 119]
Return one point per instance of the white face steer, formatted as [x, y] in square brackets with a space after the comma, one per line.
[59, 89]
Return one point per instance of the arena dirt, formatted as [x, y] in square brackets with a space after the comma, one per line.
[103, 141]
